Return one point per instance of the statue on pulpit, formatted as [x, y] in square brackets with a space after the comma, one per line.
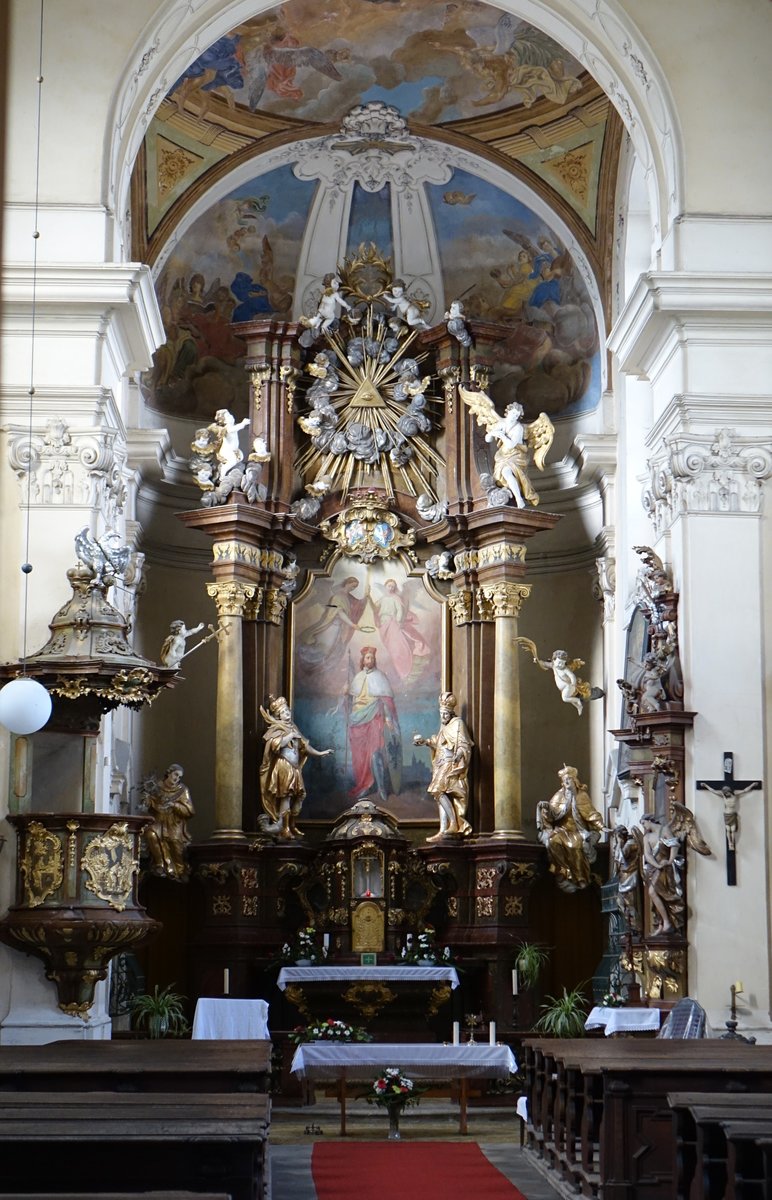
[281, 772]
[451, 749]
[570, 828]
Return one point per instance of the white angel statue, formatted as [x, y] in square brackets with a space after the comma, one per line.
[515, 439]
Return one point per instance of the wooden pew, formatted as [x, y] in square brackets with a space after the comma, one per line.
[703, 1150]
[82, 1142]
[598, 1111]
[138, 1065]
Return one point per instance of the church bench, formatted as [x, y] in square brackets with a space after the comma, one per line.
[138, 1065]
[76, 1143]
[118, 1196]
[704, 1149]
[598, 1112]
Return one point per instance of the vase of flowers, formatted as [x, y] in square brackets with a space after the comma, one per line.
[395, 1092]
[303, 951]
[426, 952]
[329, 1030]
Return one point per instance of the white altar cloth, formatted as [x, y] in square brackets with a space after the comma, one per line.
[328, 974]
[224, 1019]
[623, 1020]
[419, 1060]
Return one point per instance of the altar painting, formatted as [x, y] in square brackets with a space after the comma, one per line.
[366, 677]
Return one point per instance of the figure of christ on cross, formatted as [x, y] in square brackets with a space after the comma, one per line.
[730, 790]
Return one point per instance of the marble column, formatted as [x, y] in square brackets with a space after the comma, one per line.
[231, 598]
[505, 600]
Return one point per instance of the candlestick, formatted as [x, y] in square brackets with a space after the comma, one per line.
[226, 982]
[456, 1033]
[492, 1033]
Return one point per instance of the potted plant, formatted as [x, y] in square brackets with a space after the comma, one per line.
[530, 960]
[162, 1012]
[564, 1016]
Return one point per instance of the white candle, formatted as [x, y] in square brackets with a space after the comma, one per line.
[492, 1033]
[738, 987]
[515, 986]
[326, 941]
[409, 940]
[456, 1033]
[226, 982]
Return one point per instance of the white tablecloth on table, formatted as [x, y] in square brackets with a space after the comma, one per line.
[351, 974]
[227, 1019]
[419, 1060]
[623, 1020]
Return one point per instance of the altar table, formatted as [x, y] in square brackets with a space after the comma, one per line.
[226, 1019]
[290, 975]
[623, 1020]
[360, 1061]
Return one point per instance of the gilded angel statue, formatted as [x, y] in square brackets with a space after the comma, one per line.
[573, 690]
[516, 440]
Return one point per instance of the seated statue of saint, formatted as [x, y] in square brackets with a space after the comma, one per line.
[168, 802]
[451, 749]
[281, 773]
[570, 827]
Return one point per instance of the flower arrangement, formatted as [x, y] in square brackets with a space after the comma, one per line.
[392, 1088]
[304, 948]
[330, 1030]
[612, 999]
[425, 951]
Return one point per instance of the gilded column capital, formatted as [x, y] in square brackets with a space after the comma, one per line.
[253, 606]
[274, 605]
[506, 599]
[231, 598]
[460, 603]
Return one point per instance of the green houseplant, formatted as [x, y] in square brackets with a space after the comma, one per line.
[564, 1016]
[530, 960]
[162, 1012]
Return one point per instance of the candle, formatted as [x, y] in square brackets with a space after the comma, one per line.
[456, 1033]
[326, 941]
[409, 940]
[515, 985]
[738, 987]
[492, 1033]
[226, 982]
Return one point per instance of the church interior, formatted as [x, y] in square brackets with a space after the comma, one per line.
[385, 472]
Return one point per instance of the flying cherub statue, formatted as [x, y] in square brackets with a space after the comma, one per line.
[515, 439]
[573, 690]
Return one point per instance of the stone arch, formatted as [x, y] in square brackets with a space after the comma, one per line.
[598, 33]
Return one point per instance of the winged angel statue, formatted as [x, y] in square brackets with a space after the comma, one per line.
[515, 440]
[661, 856]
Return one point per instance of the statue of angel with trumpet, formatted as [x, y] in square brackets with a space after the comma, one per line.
[516, 439]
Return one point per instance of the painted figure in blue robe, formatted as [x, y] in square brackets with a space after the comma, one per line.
[220, 62]
[252, 297]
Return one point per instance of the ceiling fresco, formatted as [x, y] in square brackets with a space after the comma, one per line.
[225, 224]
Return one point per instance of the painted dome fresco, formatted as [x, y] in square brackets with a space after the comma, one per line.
[466, 145]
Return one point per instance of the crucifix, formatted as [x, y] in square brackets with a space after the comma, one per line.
[730, 790]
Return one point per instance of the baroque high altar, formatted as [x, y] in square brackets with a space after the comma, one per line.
[369, 562]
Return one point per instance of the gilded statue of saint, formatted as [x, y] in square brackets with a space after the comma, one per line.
[570, 827]
[451, 749]
[281, 772]
[168, 803]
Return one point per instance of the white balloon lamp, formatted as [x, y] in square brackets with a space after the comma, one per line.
[25, 706]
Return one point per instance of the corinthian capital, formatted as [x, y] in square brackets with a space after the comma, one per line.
[706, 473]
[506, 599]
[231, 598]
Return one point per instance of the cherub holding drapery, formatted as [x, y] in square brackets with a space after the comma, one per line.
[517, 441]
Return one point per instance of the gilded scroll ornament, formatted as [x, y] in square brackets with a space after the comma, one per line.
[42, 864]
[369, 998]
[109, 862]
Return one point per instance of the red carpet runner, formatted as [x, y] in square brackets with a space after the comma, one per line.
[409, 1170]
